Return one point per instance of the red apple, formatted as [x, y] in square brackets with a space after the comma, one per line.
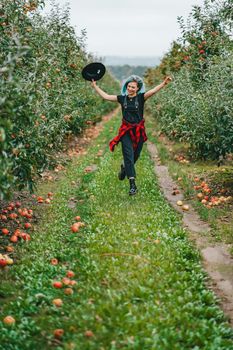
[3, 262]
[5, 231]
[70, 274]
[9, 320]
[57, 284]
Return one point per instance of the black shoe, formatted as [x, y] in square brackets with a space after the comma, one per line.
[122, 173]
[133, 187]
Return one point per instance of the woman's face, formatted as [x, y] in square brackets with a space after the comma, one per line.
[132, 88]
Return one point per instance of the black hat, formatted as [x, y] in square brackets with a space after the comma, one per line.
[93, 71]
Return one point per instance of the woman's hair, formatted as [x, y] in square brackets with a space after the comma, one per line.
[133, 78]
[136, 79]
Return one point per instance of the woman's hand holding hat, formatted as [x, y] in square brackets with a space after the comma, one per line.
[93, 83]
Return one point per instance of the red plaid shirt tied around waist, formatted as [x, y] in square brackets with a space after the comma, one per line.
[135, 131]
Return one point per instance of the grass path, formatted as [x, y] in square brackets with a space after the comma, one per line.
[139, 281]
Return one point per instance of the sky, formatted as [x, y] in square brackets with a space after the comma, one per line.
[128, 27]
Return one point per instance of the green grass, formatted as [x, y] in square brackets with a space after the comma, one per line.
[140, 284]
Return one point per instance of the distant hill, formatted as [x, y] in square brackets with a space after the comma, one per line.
[131, 61]
[122, 72]
[121, 67]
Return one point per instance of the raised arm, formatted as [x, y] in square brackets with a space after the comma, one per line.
[153, 91]
[102, 93]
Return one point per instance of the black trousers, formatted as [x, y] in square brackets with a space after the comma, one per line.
[130, 155]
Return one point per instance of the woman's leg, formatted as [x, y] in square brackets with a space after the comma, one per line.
[138, 150]
[128, 155]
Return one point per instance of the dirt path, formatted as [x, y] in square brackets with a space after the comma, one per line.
[216, 259]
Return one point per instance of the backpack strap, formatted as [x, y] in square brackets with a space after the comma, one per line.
[125, 102]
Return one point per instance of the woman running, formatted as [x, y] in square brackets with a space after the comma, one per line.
[132, 132]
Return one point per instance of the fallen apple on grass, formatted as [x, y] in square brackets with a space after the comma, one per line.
[40, 199]
[66, 281]
[58, 333]
[5, 231]
[26, 237]
[68, 291]
[14, 239]
[9, 320]
[9, 249]
[27, 225]
[53, 261]
[89, 334]
[70, 274]
[73, 283]
[3, 262]
[57, 302]
[57, 284]
[75, 227]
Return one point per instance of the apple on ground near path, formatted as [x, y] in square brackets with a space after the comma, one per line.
[185, 207]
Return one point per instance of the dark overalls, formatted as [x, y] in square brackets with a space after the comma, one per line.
[132, 111]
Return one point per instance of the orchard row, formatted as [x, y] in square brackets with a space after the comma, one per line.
[197, 107]
[43, 96]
